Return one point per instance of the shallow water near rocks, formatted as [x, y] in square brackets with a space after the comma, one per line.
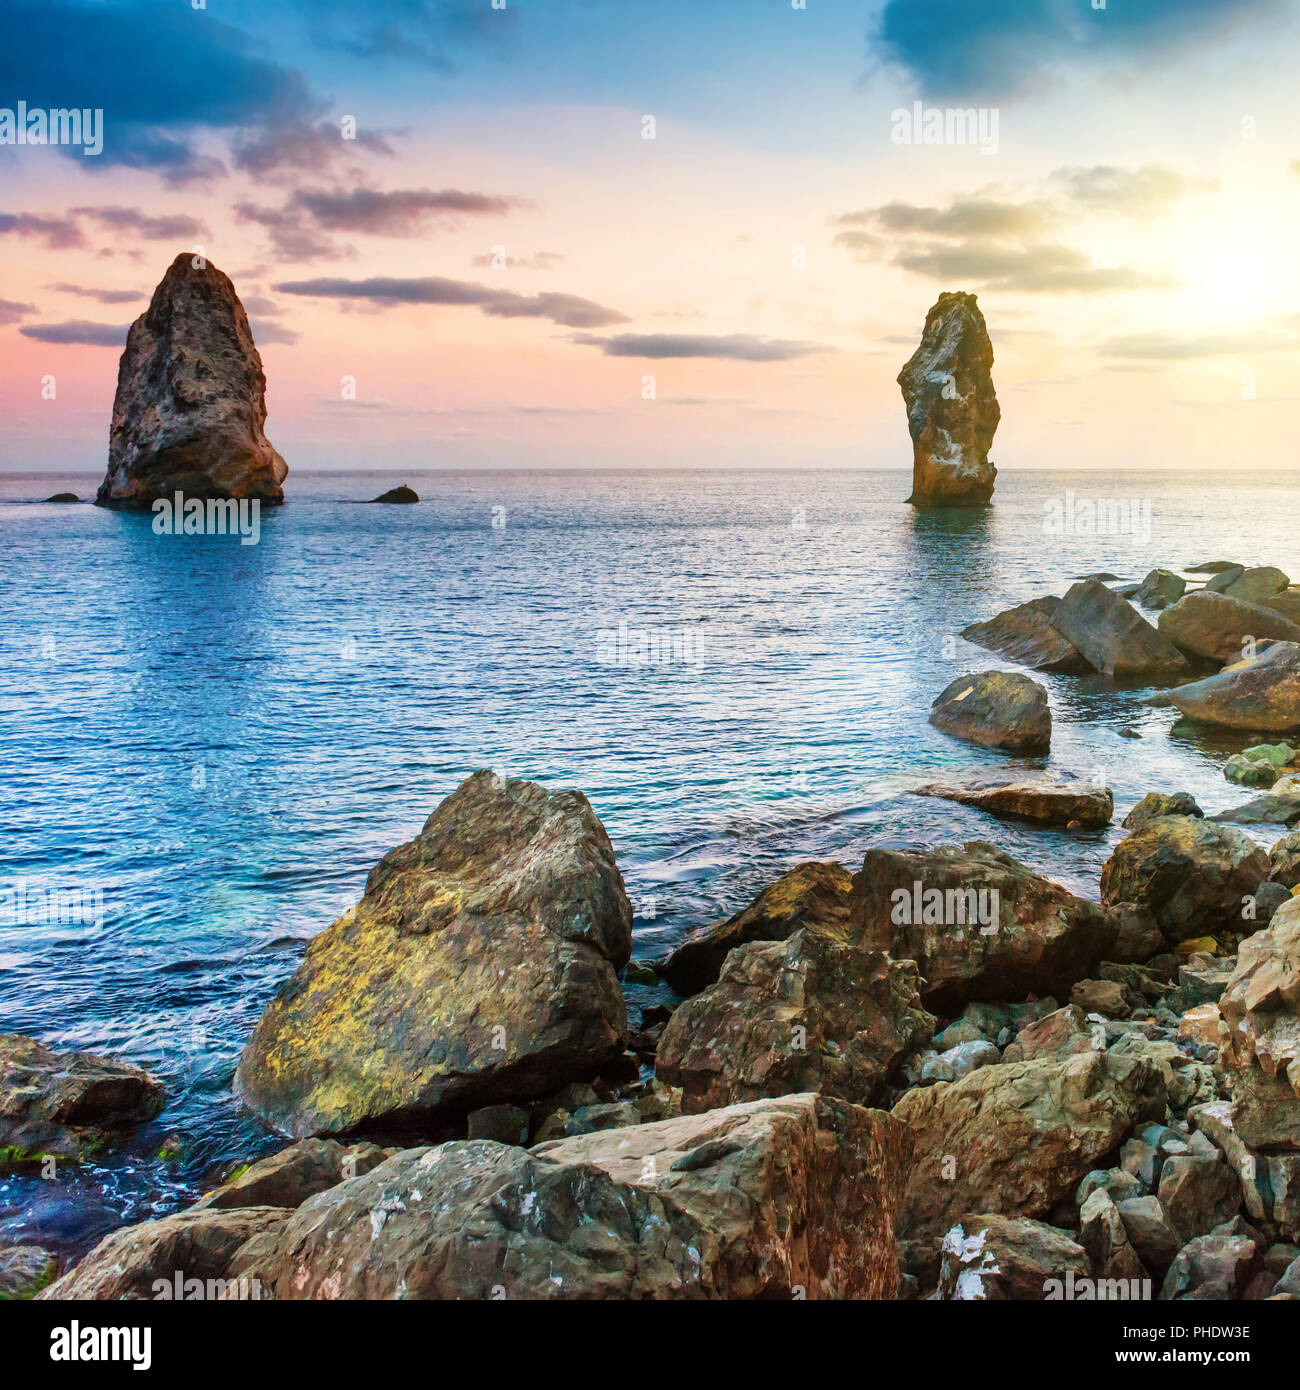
[223, 739]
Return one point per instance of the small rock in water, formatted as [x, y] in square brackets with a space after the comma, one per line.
[397, 494]
[996, 709]
[63, 497]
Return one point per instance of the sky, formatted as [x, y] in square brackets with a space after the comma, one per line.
[681, 233]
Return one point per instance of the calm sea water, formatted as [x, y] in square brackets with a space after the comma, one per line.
[223, 739]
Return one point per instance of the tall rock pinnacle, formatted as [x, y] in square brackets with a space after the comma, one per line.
[191, 399]
[952, 410]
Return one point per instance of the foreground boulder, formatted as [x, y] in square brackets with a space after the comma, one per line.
[778, 1199]
[978, 923]
[952, 409]
[156, 1258]
[810, 895]
[1191, 875]
[1261, 1008]
[815, 1013]
[191, 399]
[992, 1258]
[996, 709]
[1261, 694]
[1113, 636]
[288, 1178]
[1155, 804]
[479, 968]
[69, 1104]
[1025, 635]
[1030, 798]
[1218, 627]
[1016, 1139]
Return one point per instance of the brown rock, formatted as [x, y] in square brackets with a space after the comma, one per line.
[996, 709]
[1025, 635]
[811, 894]
[979, 924]
[25, 1270]
[191, 399]
[990, 1258]
[952, 410]
[1027, 798]
[1217, 627]
[1060, 1034]
[815, 1013]
[1261, 694]
[784, 1198]
[1113, 636]
[288, 1178]
[1155, 804]
[1104, 997]
[1198, 1194]
[1213, 1267]
[478, 969]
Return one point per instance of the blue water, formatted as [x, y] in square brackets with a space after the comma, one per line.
[223, 739]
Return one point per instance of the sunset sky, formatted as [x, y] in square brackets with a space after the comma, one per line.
[768, 257]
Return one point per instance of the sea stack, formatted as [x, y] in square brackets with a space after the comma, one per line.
[191, 399]
[952, 410]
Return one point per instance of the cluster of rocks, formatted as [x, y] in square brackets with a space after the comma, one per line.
[942, 1076]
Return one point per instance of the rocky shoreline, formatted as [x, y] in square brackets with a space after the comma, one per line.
[941, 1075]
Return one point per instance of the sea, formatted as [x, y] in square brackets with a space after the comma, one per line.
[205, 745]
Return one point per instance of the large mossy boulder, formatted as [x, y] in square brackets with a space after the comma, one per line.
[780, 1199]
[1191, 875]
[67, 1104]
[1261, 694]
[479, 968]
[814, 1013]
[1220, 628]
[810, 895]
[996, 709]
[1113, 636]
[978, 923]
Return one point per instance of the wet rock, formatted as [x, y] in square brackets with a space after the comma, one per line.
[145, 1261]
[1211, 1267]
[1274, 808]
[1219, 628]
[1160, 588]
[952, 410]
[1261, 1008]
[63, 497]
[1213, 567]
[1018, 1138]
[1113, 636]
[988, 1258]
[755, 1201]
[1150, 1232]
[1284, 861]
[1025, 635]
[1198, 1194]
[402, 494]
[1261, 694]
[25, 1270]
[1248, 772]
[69, 1104]
[1030, 798]
[812, 894]
[815, 1013]
[190, 408]
[995, 709]
[478, 969]
[979, 924]
[288, 1178]
[1191, 875]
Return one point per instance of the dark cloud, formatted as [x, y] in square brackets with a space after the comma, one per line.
[161, 72]
[397, 212]
[963, 50]
[567, 309]
[1029, 269]
[168, 227]
[58, 233]
[268, 331]
[100, 296]
[735, 347]
[11, 310]
[1173, 347]
[78, 331]
[303, 145]
[292, 236]
[1140, 192]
